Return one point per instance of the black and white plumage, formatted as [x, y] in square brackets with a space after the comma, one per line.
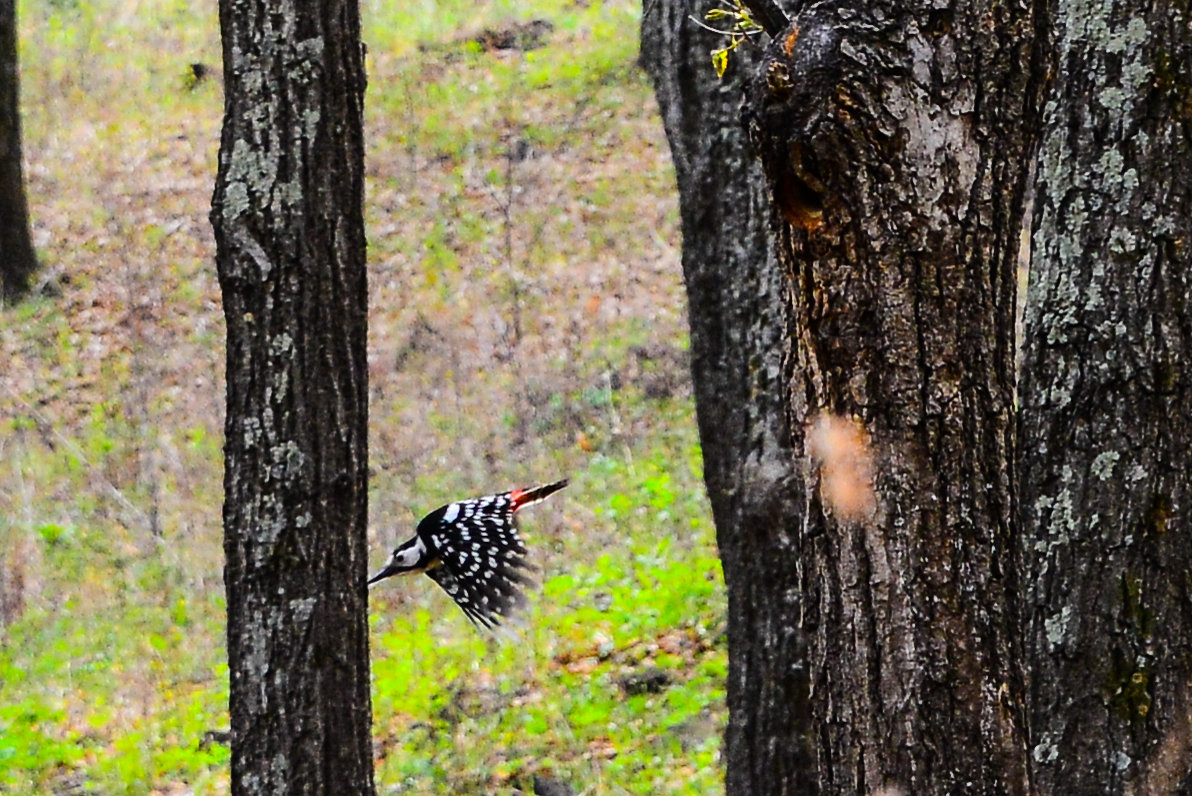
[473, 550]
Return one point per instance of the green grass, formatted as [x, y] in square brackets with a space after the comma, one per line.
[526, 323]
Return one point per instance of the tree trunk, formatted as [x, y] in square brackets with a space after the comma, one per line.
[17, 258]
[739, 313]
[289, 228]
[1106, 426]
[895, 141]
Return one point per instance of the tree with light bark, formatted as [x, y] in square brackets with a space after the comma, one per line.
[1105, 447]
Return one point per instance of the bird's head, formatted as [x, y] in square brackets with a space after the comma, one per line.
[409, 557]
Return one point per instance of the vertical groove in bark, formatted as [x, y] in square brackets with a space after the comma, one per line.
[739, 314]
[895, 146]
[1106, 427]
[289, 228]
[17, 258]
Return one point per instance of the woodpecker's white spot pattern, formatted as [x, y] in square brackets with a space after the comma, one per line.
[473, 551]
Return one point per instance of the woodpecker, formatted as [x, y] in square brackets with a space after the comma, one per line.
[472, 549]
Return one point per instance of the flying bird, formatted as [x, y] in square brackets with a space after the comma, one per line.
[473, 550]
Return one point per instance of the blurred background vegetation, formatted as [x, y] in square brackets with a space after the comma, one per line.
[527, 323]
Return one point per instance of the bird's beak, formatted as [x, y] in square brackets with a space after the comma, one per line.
[384, 573]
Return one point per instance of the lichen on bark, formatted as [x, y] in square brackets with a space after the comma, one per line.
[1104, 434]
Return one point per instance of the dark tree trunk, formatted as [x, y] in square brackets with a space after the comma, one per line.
[895, 140]
[289, 228]
[17, 258]
[1106, 429]
[739, 312]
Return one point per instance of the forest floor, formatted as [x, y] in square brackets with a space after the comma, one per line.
[527, 323]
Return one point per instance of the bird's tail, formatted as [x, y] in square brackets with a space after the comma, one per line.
[524, 497]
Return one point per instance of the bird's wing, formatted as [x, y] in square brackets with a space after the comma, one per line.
[483, 561]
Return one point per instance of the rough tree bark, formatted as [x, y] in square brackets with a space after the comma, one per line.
[1106, 431]
[289, 228]
[895, 140]
[739, 313]
[17, 258]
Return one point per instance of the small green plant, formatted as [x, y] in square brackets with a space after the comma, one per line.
[741, 26]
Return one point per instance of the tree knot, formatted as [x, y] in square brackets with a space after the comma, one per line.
[785, 106]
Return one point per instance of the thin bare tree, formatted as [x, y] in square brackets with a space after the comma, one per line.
[18, 260]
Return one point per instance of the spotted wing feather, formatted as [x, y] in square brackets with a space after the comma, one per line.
[483, 564]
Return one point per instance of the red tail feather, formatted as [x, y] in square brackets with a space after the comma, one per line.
[524, 497]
